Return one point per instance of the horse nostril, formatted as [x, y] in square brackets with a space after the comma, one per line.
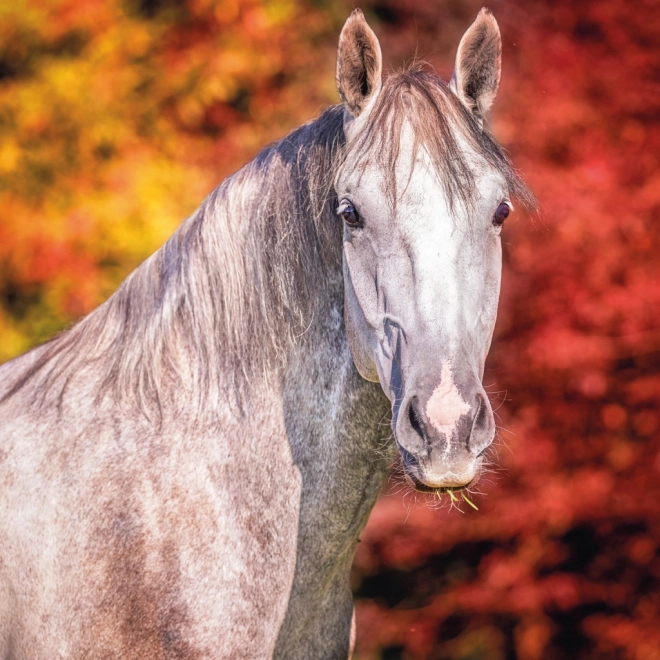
[415, 421]
[482, 431]
[481, 418]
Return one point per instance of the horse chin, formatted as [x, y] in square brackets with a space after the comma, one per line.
[423, 484]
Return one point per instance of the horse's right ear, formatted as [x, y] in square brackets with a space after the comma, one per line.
[359, 64]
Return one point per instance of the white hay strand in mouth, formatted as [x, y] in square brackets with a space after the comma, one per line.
[454, 499]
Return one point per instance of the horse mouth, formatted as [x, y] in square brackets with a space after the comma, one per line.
[412, 469]
[421, 487]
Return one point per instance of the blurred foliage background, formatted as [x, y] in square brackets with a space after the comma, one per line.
[118, 116]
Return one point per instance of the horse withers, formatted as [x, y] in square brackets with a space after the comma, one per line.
[185, 473]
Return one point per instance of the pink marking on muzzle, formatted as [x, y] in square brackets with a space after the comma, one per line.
[446, 405]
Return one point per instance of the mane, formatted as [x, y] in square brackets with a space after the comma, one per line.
[236, 285]
[229, 291]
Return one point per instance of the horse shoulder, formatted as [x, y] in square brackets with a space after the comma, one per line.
[158, 532]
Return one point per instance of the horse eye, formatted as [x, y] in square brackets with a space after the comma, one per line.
[501, 214]
[349, 214]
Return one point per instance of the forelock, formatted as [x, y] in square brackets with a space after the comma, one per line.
[442, 127]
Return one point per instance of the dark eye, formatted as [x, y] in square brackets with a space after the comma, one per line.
[349, 214]
[501, 214]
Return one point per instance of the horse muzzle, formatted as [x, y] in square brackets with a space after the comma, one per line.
[442, 437]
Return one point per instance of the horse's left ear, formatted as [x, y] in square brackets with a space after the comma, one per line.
[359, 64]
[478, 64]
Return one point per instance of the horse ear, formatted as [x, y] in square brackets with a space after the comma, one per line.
[359, 64]
[478, 64]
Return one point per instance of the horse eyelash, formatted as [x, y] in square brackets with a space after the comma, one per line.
[343, 206]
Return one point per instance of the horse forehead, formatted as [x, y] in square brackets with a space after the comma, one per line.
[423, 195]
[424, 206]
[415, 173]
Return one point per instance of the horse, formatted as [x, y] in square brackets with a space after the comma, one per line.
[185, 473]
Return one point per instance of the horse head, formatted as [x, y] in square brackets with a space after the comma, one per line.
[423, 191]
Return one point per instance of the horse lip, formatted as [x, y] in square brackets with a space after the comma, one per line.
[410, 472]
[421, 487]
[415, 483]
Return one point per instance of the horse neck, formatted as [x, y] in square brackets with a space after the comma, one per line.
[230, 299]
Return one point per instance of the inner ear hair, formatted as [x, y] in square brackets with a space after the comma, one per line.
[359, 64]
[478, 64]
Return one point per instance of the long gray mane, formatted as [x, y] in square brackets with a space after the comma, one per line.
[236, 285]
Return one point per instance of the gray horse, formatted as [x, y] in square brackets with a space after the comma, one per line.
[186, 472]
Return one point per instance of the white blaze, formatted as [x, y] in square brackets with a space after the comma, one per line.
[446, 404]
